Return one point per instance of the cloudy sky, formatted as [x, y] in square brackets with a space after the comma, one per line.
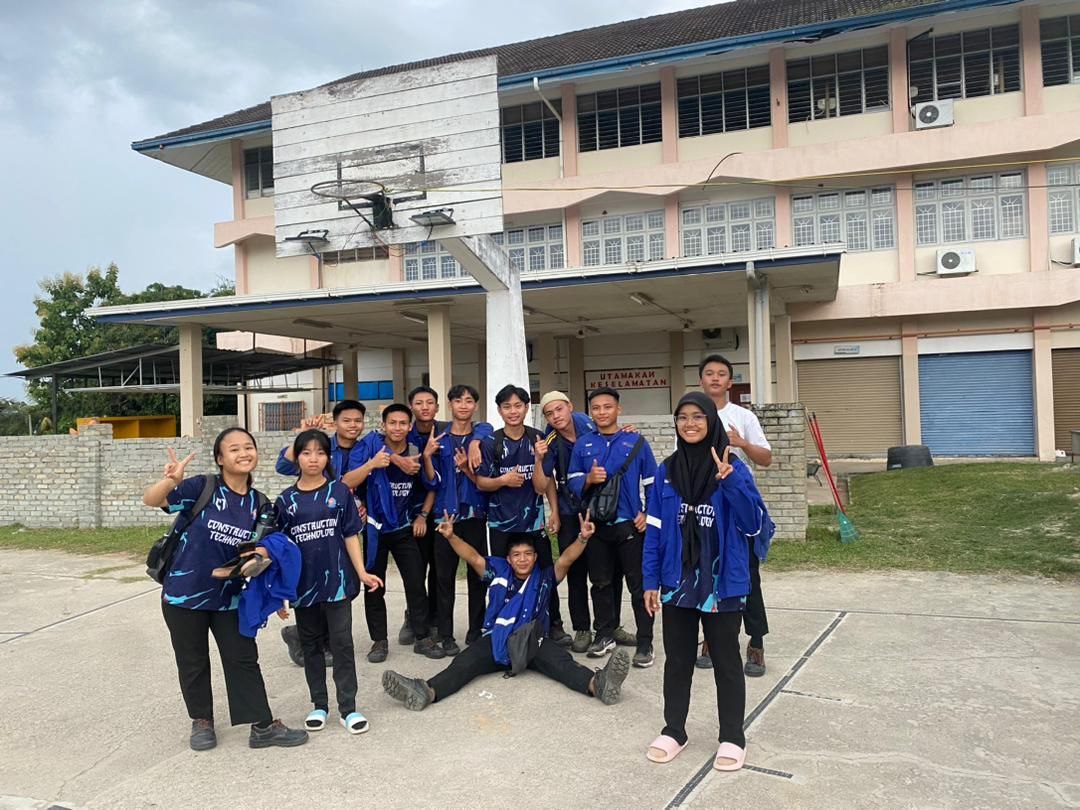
[80, 81]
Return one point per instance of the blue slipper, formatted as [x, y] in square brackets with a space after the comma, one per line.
[316, 720]
[356, 723]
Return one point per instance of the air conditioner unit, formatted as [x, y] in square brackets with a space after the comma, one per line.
[1076, 251]
[933, 114]
[955, 261]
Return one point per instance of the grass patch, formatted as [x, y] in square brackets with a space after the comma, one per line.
[967, 518]
[135, 541]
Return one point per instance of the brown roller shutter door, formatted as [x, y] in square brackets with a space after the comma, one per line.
[1066, 371]
[857, 402]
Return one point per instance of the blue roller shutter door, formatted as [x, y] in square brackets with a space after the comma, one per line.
[977, 403]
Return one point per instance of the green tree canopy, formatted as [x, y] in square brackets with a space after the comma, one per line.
[65, 332]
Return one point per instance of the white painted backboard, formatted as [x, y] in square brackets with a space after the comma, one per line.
[433, 129]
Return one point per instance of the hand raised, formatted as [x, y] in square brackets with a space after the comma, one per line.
[174, 468]
[446, 528]
[735, 438]
[540, 449]
[380, 460]
[597, 475]
[475, 457]
[461, 460]
[410, 465]
[432, 447]
[587, 527]
[723, 468]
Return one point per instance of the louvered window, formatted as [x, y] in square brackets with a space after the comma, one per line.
[975, 63]
[846, 83]
[624, 117]
[1060, 37]
[529, 132]
[724, 102]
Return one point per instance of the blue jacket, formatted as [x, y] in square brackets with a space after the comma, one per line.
[267, 592]
[454, 488]
[640, 473]
[741, 514]
[343, 459]
[381, 509]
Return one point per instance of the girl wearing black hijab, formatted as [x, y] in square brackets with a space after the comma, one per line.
[696, 565]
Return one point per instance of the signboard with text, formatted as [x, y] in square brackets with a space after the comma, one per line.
[621, 378]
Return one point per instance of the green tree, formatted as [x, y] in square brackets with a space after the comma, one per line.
[65, 332]
[15, 417]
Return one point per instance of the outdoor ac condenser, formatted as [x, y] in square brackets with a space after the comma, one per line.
[955, 261]
[933, 114]
[1076, 251]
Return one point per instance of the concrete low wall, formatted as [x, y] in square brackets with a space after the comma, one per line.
[92, 480]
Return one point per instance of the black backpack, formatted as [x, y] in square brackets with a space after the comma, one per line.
[531, 433]
[562, 468]
[603, 502]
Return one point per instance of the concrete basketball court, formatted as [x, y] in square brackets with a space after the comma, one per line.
[883, 690]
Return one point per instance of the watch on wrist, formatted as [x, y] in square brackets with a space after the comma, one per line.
[424, 514]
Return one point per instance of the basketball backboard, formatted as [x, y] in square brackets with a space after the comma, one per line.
[358, 160]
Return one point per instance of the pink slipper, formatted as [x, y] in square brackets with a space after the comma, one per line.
[729, 757]
[666, 744]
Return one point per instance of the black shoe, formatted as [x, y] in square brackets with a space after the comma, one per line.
[607, 682]
[203, 737]
[601, 646]
[581, 642]
[450, 646]
[378, 653]
[755, 662]
[291, 636]
[644, 657]
[429, 647]
[277, 734]
[413, 692]
[559, 636]
[405, 635]
[471, 638]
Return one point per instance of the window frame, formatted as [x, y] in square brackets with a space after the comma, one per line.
[936, 203]
[1071, 43]
[701, 223]
[550, 130]
[553, 243]
[810, 206]
[590, 136]
[602, 236]
[803, 89]
[264, 168]
[694, 104]
[965, 57]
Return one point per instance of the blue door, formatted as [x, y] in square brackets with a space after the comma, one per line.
[977, 404]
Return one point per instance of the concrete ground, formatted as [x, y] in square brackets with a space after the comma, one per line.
[883, 690]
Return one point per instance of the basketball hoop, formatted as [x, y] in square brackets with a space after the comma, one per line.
[357, 194]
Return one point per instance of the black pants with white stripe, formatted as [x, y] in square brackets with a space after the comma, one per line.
[479, 659]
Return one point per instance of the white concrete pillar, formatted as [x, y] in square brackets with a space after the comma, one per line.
[487, 398]
[397, 364]
[909, 376]
[575, 372]
[676, 370]
[1043, 371]
[440, 363]
[350, 373]
[545, 351]
[191, 380]
[759, 328]
[785, 359]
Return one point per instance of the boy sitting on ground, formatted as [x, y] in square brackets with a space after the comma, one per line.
[519, 594]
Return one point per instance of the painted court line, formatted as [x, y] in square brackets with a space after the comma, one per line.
[911, 615]
[707, 768]
[67, 619]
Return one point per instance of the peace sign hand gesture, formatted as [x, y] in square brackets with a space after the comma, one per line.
[432, 447]
[446, 528]
[174, 469]
[588, 528]
[723, 468]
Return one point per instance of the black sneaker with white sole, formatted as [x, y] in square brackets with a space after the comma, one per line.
[276, 734]
[644, 657]
[607, 682]
[601, 646]
[413, 692]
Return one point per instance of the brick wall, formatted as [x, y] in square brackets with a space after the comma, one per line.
[90, 480]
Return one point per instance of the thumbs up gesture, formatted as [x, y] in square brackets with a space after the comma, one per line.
[597, 475]
[174, 468]
[723, 468]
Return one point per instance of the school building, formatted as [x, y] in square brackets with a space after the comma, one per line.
[870, 207]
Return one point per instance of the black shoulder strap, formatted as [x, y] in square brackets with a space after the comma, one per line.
[205, 496]
[498, 437]
[261, 500]
[633, 454]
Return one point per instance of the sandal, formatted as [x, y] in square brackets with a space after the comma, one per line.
[729, 757]
[316, 720]
[668, 747]
[356, 723]
[246, 565]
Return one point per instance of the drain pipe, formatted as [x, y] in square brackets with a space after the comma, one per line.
[759, 286]
[558, 117]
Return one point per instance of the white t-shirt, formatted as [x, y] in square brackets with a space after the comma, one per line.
[746, 422]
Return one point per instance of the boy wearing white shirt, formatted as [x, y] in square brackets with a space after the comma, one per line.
[749, 443]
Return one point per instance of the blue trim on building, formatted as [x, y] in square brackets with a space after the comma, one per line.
[569, 280]
[813, 31]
